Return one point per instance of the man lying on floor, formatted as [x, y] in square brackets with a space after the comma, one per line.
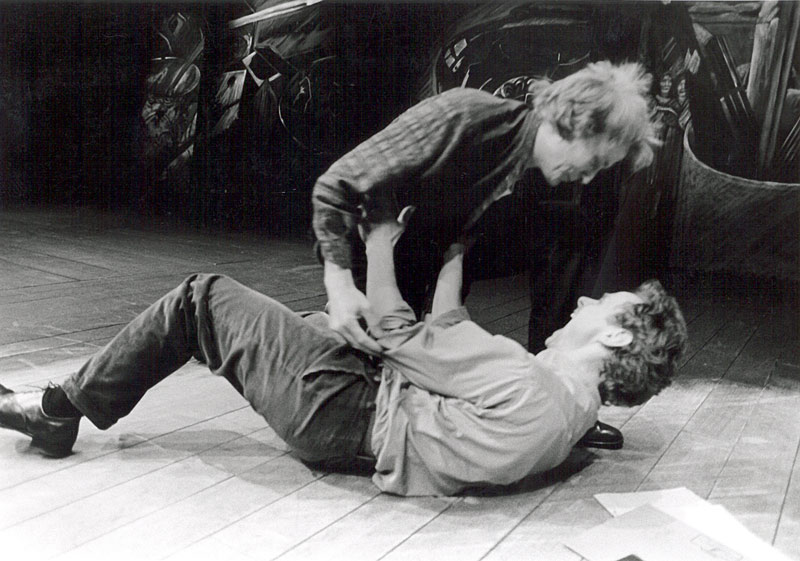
[447, 407]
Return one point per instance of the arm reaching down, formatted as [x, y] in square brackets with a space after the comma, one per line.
[346, 304]
[447, 295]
[389, 309]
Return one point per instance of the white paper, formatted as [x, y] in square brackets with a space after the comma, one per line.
[620, 503]
[712, 520]
[651, 535]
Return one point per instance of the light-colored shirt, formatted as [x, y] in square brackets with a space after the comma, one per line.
[458, 407]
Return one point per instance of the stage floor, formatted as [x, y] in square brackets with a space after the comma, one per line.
[194, 474]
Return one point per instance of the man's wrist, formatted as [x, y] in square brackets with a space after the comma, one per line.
[378, 245]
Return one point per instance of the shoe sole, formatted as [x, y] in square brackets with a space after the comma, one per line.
[603, 445]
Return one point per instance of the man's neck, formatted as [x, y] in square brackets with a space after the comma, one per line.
[570, 367]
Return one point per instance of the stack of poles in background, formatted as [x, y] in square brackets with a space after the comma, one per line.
[771, 65]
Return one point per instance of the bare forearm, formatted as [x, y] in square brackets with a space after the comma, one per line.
[337, 278]
[382, 291]
[448, 285]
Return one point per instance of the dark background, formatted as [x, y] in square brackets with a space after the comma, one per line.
[74, 83]
[74, 80]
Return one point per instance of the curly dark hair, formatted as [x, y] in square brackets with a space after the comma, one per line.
[643, 368]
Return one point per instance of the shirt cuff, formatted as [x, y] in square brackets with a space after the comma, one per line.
[449, 318]
[400, 317]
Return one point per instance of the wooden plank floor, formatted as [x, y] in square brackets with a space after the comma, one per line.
[194, 474]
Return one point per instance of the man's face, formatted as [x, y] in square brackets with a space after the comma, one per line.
[590, 319]
[579, 159]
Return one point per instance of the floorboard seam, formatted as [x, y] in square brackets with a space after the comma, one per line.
[792, 472]
[553, 489]
[255, 512]
[105, 489]
[348, 513]
[199, 491]
[416, 531]
[103, 455]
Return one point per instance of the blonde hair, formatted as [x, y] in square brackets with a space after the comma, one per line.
[603, 98]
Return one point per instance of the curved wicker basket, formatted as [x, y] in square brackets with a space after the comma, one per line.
[729, 223]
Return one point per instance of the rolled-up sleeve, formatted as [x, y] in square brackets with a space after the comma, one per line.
[394, 325]
[449, 318]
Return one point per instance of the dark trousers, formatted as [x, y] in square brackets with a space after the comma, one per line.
[550, 238]
[314, 390]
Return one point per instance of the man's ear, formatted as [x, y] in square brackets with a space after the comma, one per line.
[614, 336]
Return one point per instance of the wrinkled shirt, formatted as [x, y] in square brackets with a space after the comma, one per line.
[458, 407]
[448, 156]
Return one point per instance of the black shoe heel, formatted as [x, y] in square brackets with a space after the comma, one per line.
[48, 449]
[602, 435]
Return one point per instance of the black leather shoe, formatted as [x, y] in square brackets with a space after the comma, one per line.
[53, 436]
[602, 435]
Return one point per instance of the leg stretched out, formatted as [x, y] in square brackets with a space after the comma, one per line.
[310, 387]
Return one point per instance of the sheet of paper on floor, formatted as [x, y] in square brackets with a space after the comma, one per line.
[667, 499]
[713, 521]
[648, 534]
